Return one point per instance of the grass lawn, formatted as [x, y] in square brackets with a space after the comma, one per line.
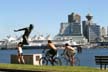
[50, 68]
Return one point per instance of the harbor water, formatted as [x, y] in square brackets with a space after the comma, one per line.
[87, 56]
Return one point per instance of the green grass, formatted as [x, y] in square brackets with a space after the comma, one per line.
[51, 68]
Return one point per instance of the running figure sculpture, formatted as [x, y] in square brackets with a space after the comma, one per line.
[26, 33]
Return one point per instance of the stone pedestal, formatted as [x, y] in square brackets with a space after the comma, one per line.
[29, 59]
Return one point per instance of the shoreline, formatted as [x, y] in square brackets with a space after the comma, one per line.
[43, 47]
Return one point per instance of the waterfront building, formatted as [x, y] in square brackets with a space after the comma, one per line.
[91, 30]
[74, 18]
[72, 27]
[77, 39]
[71, 30]
[103, 32]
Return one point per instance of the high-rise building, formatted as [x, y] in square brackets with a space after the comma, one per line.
[71, 29]
[90, 30]
[64, 29]
[74, 18]
[103, 32]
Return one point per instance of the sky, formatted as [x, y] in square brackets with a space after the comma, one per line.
[46, 15]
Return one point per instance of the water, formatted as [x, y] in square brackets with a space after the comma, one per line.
[86, 57]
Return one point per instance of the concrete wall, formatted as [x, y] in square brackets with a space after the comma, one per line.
[29, 59]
